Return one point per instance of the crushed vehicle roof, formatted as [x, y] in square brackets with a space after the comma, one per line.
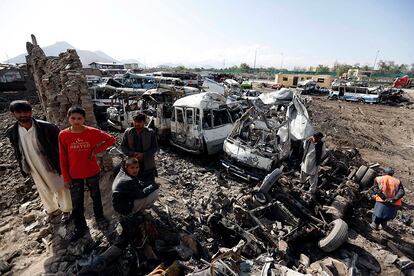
[305, 82]
[283, 94]
[202, 100]
[231, 82]
[162, 90]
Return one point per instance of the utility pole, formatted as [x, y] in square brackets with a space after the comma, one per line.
[375, 61]
[281, 61]
[255, 54]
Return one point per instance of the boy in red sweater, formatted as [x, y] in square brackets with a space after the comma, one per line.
[78, 147]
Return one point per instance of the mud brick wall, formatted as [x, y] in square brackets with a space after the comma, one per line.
[60, 83]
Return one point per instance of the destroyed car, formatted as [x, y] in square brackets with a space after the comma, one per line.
[101, 93]
[403, 82]
[377, 94]
[137, 81]
[251, 94]
[277, 86]
[231, 86]
[122, 110]
[188, 78]
[354, 96]
[245, 99]
[261, 139]
[200, 123]
[307, 86]
[246, 84]
[176, 83]
[157, 104]
[310, 87]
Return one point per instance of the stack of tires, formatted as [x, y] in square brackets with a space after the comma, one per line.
[364, 176]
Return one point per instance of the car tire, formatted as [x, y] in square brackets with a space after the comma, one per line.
[360, 173]
[335, 237]
[368, 178]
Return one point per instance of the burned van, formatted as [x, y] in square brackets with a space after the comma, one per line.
[200, 123]
[122, 110]
[157, 104]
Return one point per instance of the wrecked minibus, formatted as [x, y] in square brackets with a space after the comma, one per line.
[177, 84]
[188, 78]
[261, 139]
[137, 81]
[200, 123]
[157, 104]
[122, 110]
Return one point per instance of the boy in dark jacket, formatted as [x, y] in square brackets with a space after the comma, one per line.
[131, 196]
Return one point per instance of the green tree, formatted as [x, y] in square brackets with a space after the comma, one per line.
[299, 69]
[322, 68]
[403, 68]
[411, 71]
[365, 68]
[180, 68]
[244, 67]
[341, 68]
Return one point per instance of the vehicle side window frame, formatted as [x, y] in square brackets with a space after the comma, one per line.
[187, 111]
[182, 115]
[205, 123]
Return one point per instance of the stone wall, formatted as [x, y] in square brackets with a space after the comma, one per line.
[60, 83]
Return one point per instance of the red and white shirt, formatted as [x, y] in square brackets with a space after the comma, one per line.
[75, 150]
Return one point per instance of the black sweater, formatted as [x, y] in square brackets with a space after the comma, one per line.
[126, 189]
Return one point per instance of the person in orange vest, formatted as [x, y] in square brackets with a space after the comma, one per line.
[388, 193]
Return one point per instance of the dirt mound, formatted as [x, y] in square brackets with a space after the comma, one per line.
[383, 134]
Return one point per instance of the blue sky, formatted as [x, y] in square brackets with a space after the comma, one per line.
[199, 33]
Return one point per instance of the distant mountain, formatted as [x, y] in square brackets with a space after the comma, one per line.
[52, 50]
[85, 56]
[88, 57]
[103, 55]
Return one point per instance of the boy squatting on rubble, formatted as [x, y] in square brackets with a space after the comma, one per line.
[78, 146]
[35, 144]
[130, 197]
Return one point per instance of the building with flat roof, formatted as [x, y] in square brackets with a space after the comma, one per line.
[106, 65]
[291, 78]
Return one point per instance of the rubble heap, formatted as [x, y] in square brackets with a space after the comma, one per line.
[207, 220]
[60, 83]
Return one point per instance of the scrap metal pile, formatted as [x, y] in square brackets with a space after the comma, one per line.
[270, 224]
[269, 227]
